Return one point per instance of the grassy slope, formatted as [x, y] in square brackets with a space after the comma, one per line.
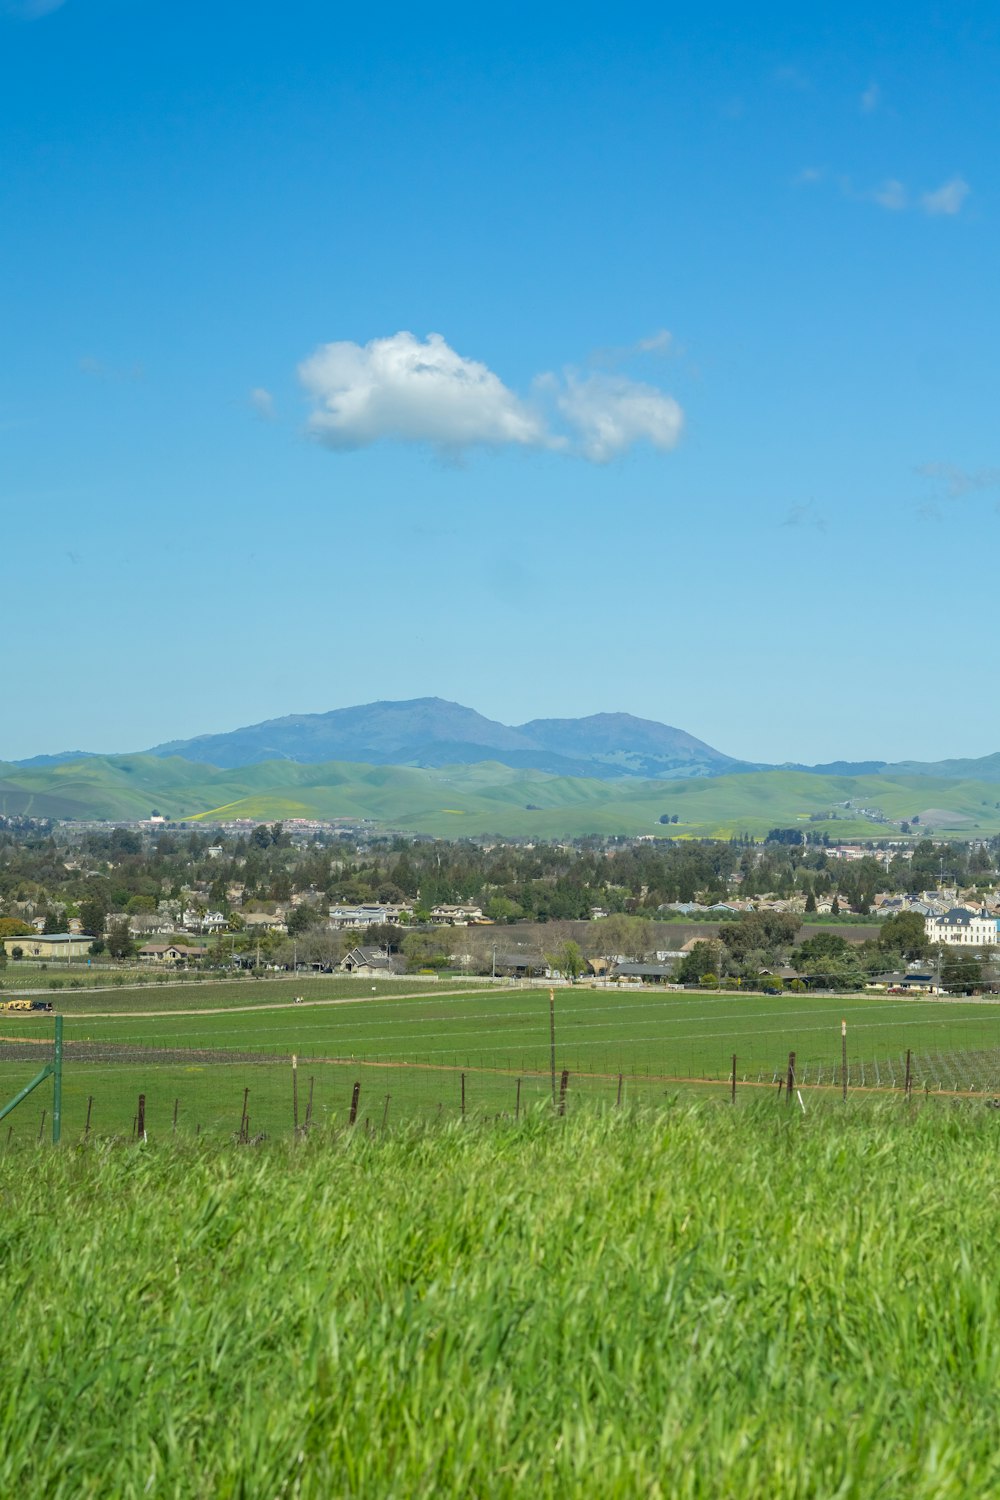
[700, 1302]
[488, 798]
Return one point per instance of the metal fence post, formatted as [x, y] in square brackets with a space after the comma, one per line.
[57, 1061]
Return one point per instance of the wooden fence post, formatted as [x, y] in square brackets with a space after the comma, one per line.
[843, 1060]
[463, 1096]
[295, 1094]
[908, 1085]
[140, 1119]
[618, 1101]
[517, 1104]
[354, 1104]
[734, 1079]
[791, 1078]
[563, 1086]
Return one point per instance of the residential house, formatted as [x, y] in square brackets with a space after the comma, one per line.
[371, 963]
[521, 965]
[263, 921]
[910, 982]
[457, 915]
[645, 973]
[961, 928]
[174, 954]
[369, 914]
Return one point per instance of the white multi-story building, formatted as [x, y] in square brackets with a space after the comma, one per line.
[959, 927]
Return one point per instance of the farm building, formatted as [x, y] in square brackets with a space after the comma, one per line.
[50, 945]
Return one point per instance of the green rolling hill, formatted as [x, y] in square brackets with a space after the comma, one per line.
[489, 798]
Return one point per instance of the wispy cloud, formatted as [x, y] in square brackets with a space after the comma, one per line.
[790, 77]
[954, 483]
[610, 414]
[947, 199]
[97, 369]
[656, 343]
[406, 389]
[32, 10]
[262, 403]
[891, 195]
[805, 515]
[870, 99]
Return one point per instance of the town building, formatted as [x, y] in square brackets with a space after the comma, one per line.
[50, 945]
[961, 928]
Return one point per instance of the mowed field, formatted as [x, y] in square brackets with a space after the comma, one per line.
[198, 1049]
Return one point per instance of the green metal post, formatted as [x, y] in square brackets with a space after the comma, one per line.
[57, 1083]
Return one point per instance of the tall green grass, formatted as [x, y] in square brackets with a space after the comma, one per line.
[690, 1303]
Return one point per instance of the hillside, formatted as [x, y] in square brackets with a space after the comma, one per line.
[434, 732]
[490, 798]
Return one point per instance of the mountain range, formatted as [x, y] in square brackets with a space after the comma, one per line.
[431, 733]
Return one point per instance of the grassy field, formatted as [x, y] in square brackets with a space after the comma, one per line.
[410, 1043]
[692, 1302]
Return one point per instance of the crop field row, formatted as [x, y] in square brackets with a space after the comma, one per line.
[412, 1048]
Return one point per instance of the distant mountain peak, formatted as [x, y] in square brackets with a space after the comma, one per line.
[436, 732]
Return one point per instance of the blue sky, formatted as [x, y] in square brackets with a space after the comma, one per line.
[607, 358]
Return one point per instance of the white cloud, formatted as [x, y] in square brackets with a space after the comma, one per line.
[871, 99]
[808, 176]
[417, 391]
[401, 388]
[611, 413]
[262, 402]
[947, 199]
[891, 195]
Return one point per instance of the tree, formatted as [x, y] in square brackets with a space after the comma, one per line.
[702, 959]
[14, 927]
[810, 902]
[301, 918]
[835, 907]
[52, 923]
[93, 914]
[569, 960]
[118, 939]
[962, 970]
[425, 950]
[769, 933]
[816, 950]
[904, 933]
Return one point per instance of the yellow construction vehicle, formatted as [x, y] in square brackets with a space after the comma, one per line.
[22, 1004]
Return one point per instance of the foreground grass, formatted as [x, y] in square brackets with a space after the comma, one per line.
[697, 1302]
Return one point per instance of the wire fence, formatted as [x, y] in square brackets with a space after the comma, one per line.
[128, 1089]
